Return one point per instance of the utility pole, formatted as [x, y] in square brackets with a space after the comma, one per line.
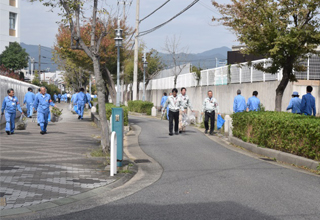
[136, 48]
[39, 64]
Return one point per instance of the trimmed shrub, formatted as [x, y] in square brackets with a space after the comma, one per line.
[140, 106]
[109, 107]
[287, 132]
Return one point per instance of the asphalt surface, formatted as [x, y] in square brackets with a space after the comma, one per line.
[204, 180]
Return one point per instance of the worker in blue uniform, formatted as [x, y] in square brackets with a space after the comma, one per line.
[308, 103]
[253, 103]
[55, 97]
[10, 104]
[42, 104]
[163, 100]
[295, 103]
[29, 99]
[239, 103]
[89, 98]
[81, 100]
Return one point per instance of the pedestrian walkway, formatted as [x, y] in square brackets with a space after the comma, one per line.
[37, 168]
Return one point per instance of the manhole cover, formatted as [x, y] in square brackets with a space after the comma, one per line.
[267, 159]
[86, 181]
[9, 168]
[142, 161]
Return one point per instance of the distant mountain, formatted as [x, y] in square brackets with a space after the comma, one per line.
[46, 56]
[205, 59]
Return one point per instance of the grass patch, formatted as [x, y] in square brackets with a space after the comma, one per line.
[97, 153]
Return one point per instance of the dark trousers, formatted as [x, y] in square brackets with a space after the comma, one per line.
[59, 100]
[211, 116]
[173, 116]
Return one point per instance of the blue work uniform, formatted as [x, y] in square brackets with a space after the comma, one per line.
[42, 104]
[29, 99]
[89, 99]
[38, 121]
[73, 98]
[55, 97]
[81, 100]
[10, 105]
[239, 104]
[163, 100]
[253, 103]
[308, 104]
[295, 104]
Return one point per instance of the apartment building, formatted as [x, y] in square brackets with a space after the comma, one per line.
[9, 22]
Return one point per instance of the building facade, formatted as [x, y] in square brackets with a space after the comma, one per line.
[9, 22]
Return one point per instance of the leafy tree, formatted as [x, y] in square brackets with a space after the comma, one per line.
[8, 73]
[285, 31]
[14, 57]
[36, 80]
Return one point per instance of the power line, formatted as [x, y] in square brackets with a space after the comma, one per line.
[154, 11]
[208, 7]
[161, 25]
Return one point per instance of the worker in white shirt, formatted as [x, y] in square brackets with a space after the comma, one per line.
[185, 104]
[174, 106]
[210, 107]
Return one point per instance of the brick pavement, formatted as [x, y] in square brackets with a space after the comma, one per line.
[38, 168]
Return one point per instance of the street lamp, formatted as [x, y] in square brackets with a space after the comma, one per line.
[145, 65]
[118, 42]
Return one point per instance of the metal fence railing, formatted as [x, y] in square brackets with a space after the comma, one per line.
[236, 73]
[20, 88]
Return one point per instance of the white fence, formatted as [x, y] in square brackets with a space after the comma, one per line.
[234, 74]
[20, 88]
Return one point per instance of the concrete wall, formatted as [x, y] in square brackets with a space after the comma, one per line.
[225, 94]
[20, 89]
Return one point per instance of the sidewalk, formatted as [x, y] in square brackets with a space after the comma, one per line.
[37, 168]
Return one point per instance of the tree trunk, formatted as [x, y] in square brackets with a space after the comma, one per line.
[101, 100]
[175, 81]
[282, 86]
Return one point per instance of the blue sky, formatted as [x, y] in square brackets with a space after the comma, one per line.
[197, 32]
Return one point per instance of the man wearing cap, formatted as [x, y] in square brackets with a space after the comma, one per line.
[210, 106]
[185, 104]
[253, 102]
[239, 103]
[308, 103]
[295, 103]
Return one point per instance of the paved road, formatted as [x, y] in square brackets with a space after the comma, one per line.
[37, 168]
[203, 180]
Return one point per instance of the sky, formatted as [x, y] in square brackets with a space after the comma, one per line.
[194, 27]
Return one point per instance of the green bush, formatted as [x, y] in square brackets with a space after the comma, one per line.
[291, 133]
[94, 99]
[140, 106]
[109, 107]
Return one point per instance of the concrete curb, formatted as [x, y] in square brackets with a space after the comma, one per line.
[278, 155]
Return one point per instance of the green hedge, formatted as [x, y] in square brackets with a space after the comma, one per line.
[109, 107]
[140, 106]
[292, 133]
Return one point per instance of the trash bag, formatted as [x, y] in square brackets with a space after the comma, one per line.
[192, 118]
[56, 114]
[220, 122]
[22, 123]
[24, 109]
[185, 120]
[75, 109]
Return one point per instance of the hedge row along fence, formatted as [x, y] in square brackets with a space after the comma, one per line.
[109, 112]
[140, 106]
[287, 132]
